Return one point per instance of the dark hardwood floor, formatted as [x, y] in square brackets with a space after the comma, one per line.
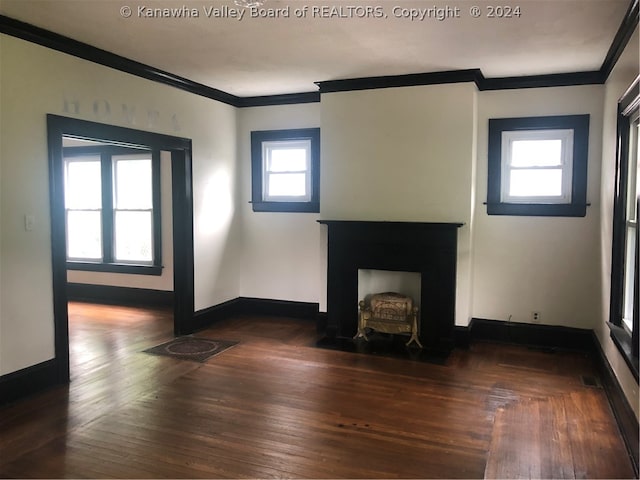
[274, 406]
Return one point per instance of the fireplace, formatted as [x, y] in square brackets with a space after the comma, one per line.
[377, 281]
[429, 249]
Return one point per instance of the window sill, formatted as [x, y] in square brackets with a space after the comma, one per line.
[537, 209]
[154, 270]
[302, 207]
[622, 341]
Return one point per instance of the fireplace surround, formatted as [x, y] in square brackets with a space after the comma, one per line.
[427, 248]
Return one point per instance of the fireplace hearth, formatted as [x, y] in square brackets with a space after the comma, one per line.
[427, 248]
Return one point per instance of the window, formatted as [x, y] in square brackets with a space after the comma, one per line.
[624, 311]
[285, 166]
[538, 166]
[112, 201]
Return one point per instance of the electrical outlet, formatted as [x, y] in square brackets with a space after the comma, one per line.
[535, 317]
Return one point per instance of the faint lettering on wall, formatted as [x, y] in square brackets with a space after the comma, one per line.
[102, 110]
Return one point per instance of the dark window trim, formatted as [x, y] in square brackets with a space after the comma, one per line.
[108, 264]
[115, 268]
[257, 138]
[578, 206]
[627, 343]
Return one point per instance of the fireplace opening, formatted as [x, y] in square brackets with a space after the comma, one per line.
[372, 281]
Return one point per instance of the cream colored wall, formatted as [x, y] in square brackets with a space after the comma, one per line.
[37, 81]
[621, 77]
[281, 252]
[544, 264]
[403, 154]
[398, 154]
[160, 282]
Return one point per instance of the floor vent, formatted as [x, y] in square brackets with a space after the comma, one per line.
[590, 381]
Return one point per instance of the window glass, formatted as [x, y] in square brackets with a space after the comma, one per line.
[536, 153]
[133, 182]
[84, 234]
[83, 184]
[532, 183]
[287, 185]
[287, 160]
[132, 236]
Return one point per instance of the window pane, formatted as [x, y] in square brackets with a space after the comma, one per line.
[83, 189]
[287, 160]
[536, 153]
[536, 183]
[84, 235]
[287, 185]
[629, 276]
[634, 172]
[133, 185]
[132, 237]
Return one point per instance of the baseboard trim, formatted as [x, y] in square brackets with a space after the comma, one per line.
[279, 308]
[622, 411]
[462, 337]
[207, 317]
[255, 306]
[112, 295]
[28, 381]
[533, 335]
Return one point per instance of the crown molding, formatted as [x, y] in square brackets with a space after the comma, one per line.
[620, 41]
[461, 76]
[85, 51]
[82, 50]
[410, 80]
[284, 99]
[540, 81]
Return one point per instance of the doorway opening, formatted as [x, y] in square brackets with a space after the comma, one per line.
[63, 130]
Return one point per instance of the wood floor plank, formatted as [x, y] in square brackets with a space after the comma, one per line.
[556, 437]
[274, 406]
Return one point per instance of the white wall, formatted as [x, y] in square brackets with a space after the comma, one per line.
[281, 251]
[621, 77]
[160, 282]
[37, 81]
[398, 154]
[544, 264]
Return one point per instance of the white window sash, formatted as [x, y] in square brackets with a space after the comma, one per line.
[566, 165]
[116, 162]
[267, 149]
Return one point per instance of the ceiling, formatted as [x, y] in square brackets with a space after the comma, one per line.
[267, 56]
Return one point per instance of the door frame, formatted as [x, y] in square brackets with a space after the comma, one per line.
[182, 207]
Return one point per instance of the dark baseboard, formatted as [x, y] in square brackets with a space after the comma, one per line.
[278, 308]
[533, 335]
[626, 419]
[209, 316]
[462, 337]
[321, 323]
[34, 379]
[112, 295]
[255, 306]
